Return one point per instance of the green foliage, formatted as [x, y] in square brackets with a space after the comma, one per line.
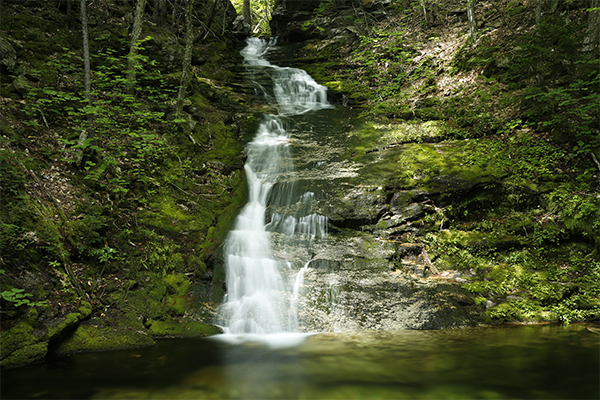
[129, 118]
[524, 156]
[579, 212]
[261, 14]
[18, 298]
[105, 254]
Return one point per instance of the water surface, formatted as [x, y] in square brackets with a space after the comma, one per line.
[541, 362]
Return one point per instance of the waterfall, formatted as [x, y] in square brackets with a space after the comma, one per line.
[260, 300]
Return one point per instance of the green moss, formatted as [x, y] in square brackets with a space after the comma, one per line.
[176, 305]
[157, 292]
[91, 338]
[26, 355]
[19, 336]
[178, 284]
[85, 309]
[70, 320]
[162, 329]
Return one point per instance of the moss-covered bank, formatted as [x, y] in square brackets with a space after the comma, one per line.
[111, 243]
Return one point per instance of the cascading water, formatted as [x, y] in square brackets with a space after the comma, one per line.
[260, 300]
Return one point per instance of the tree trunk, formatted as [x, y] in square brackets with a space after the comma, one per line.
[187, 57]
[472, 19]
[592, 38]
[86, 53]
[538, 12]
[159, 14]
[133, 49]
[87, 87]
[424, 7]
[247, 14]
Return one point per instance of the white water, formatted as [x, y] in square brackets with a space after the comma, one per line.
[259, 300]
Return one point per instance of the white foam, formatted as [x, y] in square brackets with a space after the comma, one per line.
[272, 341]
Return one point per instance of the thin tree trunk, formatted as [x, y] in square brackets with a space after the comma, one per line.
[592, 38]
[187, 58]
[87, 87]
[135, 36]
[538, 12]
[247, 14]
[472, 19]
[160, 12]
[424, 7]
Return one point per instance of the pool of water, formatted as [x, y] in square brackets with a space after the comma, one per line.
[549, 362]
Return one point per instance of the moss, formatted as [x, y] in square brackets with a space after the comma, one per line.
[85, 309]
[19, 336]
[177, 284]
[470, 239]
[26, 355]
[163, 329]
[92, 338]
[176, 305]
[197, 265]
[177, 262]
[157, 292]
[69, 321]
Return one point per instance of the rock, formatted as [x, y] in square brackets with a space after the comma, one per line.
[357, 207]
[98, 337]
[22, 85]
[181, 329]
[27, 342]
[8, 56]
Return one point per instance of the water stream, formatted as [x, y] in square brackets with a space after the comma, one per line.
[260, 300]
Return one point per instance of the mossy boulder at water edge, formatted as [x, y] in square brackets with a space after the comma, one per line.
[155, 309]
[27, 342]
[180, 329]
[95, 335]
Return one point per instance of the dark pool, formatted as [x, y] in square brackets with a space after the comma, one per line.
[542, 362]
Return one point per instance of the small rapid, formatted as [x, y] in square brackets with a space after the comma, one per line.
[261, 299]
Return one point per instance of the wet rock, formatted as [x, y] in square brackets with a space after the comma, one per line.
[357, 207]
[181, 329]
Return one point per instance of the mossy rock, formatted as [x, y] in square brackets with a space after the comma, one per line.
[181, 329]
[176, 305]
[89, 338]
[478, 240]
[18, 337]
[177, 284]
[84, 311]
[26, 355]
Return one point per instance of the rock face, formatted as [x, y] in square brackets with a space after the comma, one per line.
[372, 271]
[288, 16]
[332, 20]
[353, 284]
[8, 56]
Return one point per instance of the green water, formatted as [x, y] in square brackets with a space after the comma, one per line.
[543, 362]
